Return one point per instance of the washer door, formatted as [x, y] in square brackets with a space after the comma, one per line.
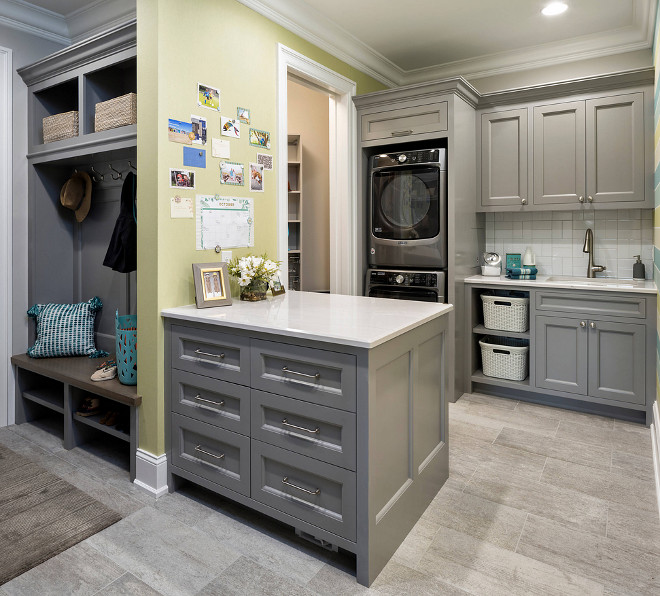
[406, 203]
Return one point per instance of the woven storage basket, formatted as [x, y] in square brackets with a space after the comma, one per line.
[504, 357]
[505, 313]
[60, 126]
[119, 111]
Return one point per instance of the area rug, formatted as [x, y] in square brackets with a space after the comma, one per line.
[41, 515]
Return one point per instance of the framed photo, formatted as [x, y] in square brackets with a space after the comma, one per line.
[208, 97]
[231, 172]
[256, 177]
[276, 288]
[260, 138]
[230, 128]
[211, 284]
[243, 115]
[182, 178]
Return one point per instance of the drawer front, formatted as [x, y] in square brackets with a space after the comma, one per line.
[592, 304]
[218, 455]
[405, 122]
[217, 402]
[211, 353]
[318, 376]
[319, 432]
[308, 489]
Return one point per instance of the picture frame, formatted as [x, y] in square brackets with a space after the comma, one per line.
[277, 288]
[211, 284]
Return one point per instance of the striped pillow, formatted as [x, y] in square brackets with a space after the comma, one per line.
[65, 329]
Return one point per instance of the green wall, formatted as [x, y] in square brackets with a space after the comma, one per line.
[656, 184]
[224, 44]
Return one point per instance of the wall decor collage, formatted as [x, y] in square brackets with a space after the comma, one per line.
[221, 130]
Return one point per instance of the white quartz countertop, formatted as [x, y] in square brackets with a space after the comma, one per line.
[350, 320]
[607, 284]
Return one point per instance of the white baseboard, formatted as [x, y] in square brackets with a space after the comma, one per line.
[655, 441]
[151, 472]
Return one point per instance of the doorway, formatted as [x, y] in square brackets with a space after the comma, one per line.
[343, 275]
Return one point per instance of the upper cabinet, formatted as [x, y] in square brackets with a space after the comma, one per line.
[586, 151]
[405, 122]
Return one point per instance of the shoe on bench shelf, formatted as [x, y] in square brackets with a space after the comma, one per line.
[89, 407]
[106, 373]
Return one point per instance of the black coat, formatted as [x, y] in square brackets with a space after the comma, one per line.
[122, 252]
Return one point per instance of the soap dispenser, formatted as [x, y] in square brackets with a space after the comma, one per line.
[639, 271]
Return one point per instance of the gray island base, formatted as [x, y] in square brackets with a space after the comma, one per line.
[326, 412]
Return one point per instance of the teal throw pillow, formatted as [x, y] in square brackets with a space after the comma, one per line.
[65, 329]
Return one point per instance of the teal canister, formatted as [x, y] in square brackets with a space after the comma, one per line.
[639, 271]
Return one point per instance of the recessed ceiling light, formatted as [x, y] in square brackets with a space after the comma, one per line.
[554, 8]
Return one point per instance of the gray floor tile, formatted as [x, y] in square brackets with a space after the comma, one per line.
[419, 539]
[482, 568]
[480, 398]
[619, 438]
[632, 465]
[481, 413]
[166, 554]
[460, 430]
[598, 557]
[635, 526]
[128, 585]
[565, 449]
[613, 487]
[48, 433]
[79, 570]
[399, 580]
[560, 414]
[568, 506]
[331, 581]
[244, 576]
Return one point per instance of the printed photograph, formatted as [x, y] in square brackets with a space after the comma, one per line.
[265, 160]
[231, 173]
[180, 132]
[230, 128]
[198, 129]
[256, 177]
[213, 286]
[182, 179]
[243, 115]
[259, 138]
[208, 97]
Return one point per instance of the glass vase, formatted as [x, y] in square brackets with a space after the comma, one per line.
[254, 291]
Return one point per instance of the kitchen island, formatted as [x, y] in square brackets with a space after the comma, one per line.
[326, 412]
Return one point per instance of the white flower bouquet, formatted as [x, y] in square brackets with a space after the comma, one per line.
[254, 274]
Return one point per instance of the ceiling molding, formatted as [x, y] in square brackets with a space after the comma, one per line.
[305, 21]
[41, 22]
[99, 16]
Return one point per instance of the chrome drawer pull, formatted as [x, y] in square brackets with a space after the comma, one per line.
[317, 376]
[307, 430]
[199, 448]
[198, 397]
[209, 354]
[285, 480]
[401, 133]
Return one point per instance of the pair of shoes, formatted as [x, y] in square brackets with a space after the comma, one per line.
[89, 406]
[123, 425]
[107, 363]
[105, 374]
[109, 418]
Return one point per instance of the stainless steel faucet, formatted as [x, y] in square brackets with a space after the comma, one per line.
[589, 247]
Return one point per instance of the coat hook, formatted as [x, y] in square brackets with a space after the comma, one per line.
[100, 176]
[118, 176]
[130, 165]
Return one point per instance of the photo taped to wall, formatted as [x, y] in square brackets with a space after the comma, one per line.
[256, 177]
[208, 97]
[182, 178]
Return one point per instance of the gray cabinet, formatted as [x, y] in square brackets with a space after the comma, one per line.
[561, 354]
[404, 121]
[504, 158]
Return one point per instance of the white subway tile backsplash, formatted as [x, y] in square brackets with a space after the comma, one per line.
[557, 238]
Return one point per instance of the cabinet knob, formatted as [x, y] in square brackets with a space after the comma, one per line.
[592, 325]
[583, 323]
[590, 199]
[523, 201]
[581, 199]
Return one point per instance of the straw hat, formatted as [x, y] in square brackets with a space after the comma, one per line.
[76, 194]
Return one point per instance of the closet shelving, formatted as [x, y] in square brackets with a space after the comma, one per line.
[295, 212]
[65, 258]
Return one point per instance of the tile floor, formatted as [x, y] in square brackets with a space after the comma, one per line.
[539, 501]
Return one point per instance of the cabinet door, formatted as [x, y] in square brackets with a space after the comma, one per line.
[615, 148]
[504, 158]
[617, 361]
[561, 354]
[559, 166]
[404, 122]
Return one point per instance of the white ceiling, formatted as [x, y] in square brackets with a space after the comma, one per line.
[62, 7]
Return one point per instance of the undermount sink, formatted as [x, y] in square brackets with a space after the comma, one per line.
[589, 281]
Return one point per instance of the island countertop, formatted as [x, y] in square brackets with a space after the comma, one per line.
[350, 320]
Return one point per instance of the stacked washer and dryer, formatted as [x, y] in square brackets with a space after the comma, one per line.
[407, 240]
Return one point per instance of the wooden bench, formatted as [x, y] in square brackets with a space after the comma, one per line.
[60, 384]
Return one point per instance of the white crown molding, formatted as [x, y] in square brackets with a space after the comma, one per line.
[99, 16]
[23, 16]
[308, 23]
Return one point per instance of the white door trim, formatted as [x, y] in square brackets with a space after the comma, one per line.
[6, 219]
[344, 276]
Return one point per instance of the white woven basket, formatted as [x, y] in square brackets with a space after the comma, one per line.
[60, 126]
[504, 358]
[505, 313]
[119, 111]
